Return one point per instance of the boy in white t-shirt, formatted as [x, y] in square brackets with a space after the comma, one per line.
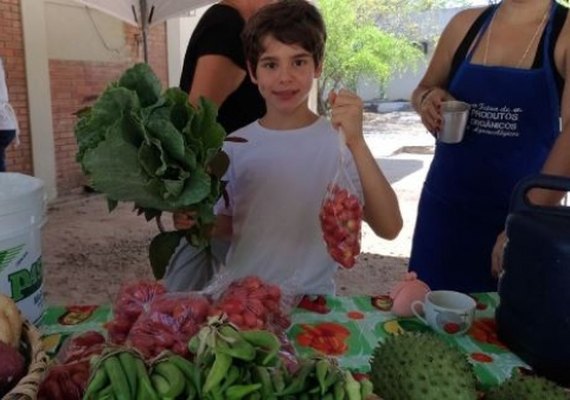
[277, 179]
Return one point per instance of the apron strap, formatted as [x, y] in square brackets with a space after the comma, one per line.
[481, 33]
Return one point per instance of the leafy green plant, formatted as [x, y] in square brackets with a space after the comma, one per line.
[139, 144]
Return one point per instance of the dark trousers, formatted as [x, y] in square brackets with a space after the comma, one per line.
[6, 137]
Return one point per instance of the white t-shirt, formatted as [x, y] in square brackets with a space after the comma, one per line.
[276, 183]
[8, 119]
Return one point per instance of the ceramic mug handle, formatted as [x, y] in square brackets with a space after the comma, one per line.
[417, 314]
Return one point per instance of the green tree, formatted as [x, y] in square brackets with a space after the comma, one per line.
[358, 47]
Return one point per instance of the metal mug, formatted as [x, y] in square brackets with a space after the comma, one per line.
[455, 115]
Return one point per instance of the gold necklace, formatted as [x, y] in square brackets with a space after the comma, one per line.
[532, 40]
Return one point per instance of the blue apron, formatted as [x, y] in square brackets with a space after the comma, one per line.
[513, 124]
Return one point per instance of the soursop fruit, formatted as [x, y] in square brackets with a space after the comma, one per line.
[421, 367]
[522, 387]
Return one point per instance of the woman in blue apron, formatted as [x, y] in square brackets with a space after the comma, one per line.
[512, 129]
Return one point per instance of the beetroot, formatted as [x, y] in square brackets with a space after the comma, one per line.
[12, 367]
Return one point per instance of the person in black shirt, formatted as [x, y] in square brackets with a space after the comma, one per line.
[214, 64]
[215, 68]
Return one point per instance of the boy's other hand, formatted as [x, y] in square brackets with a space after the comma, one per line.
[347, 115]
[184, 220]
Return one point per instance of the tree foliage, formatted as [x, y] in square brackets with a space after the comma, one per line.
[368, 38]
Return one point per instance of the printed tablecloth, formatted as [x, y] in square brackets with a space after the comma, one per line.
[355, 325]
[349, 331]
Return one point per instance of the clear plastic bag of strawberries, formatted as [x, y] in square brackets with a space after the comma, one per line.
[169, 323]
[134, 298]
[81, 346]
[342, 212]
[251, 303]
[65, 381]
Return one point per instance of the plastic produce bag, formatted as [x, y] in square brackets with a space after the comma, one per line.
[251, 303]
[67, 381]
[169, 323]
[133, 299]
[341, 213]
[81, 347]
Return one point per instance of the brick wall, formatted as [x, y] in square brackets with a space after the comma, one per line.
[72, 84]
[12, 53]
[75, 83]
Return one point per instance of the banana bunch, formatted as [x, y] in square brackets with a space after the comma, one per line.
[120, 375]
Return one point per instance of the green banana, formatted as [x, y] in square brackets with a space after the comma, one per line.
[298, 382]
[98, 381]
[160, 384]
[239, 349]
[231, 377]
[190, 371]
[237, 392]
[352, 386]
[127, 361]
[191, 392]
[268, 341]
[338, 390]
[145, 390]
[106, 392]
[278, 380]
[222, 364]
[322, 370]
[263, 377]
[366, 388]
[173, 376]
[117, 377]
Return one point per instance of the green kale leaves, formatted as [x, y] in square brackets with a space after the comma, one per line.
[139, 144]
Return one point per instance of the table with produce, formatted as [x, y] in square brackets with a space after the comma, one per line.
[323, 337]
[243, 338]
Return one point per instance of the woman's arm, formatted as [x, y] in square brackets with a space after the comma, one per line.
[215, 77]
[430, 92]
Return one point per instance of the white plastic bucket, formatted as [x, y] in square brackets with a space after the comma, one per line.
[22, 214]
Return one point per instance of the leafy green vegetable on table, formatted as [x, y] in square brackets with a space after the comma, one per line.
[139, 144]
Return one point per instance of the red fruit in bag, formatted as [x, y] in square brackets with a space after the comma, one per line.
[341, 222]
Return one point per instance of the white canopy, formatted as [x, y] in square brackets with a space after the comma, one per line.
[145, 13]
[155, 11]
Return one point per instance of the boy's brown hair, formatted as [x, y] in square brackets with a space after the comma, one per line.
[288, 21]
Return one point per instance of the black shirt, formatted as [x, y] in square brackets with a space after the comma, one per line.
[219, 32]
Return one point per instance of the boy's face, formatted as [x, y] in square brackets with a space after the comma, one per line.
[284, 75]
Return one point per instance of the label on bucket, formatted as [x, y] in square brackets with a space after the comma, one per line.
[21, 272]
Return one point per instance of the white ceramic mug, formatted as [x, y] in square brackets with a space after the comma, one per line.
[446, 311]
